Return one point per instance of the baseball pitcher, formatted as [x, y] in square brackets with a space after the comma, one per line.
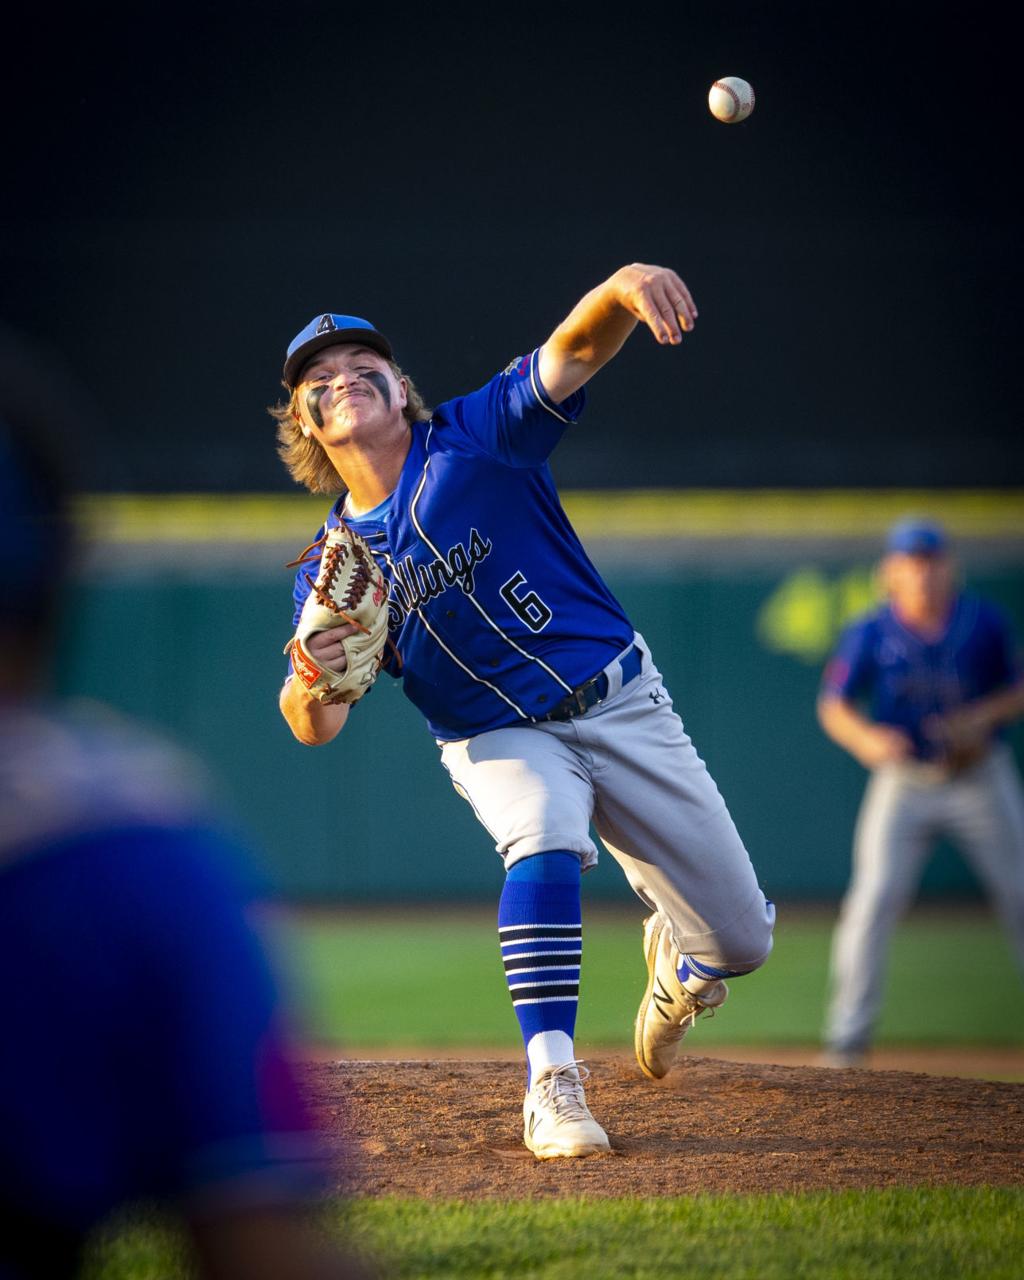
[545, 702]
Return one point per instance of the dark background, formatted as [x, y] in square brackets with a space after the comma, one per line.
[187, 187]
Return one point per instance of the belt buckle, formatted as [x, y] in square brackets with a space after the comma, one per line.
[580, 695]
[575, 703]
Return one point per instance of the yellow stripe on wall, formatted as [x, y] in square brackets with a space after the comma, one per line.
[791, 513]
[630, 513]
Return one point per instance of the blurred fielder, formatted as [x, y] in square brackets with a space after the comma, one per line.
[919, 692]
[145, 1053]
[547, 706]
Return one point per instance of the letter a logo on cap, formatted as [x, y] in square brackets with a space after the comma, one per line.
[326, 325]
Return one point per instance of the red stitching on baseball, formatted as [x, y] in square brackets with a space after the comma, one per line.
[727, 88]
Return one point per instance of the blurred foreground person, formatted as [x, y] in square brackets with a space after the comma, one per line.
[919, 692]
[143, 1055]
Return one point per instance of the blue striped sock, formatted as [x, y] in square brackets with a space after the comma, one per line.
[541, 933]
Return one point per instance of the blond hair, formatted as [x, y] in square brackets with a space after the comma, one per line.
[305, 458]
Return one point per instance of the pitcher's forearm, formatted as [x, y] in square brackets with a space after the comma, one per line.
[599, 324]
[595, 329]
[311, 721]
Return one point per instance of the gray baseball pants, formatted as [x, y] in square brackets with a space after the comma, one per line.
[628, 767]
[905, 808]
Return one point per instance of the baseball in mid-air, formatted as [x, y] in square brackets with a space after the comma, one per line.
[731, 99]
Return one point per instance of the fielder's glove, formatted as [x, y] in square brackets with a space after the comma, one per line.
[349, 588]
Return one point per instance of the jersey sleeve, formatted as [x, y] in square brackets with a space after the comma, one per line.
[849, 671]
[300, 591]
[511, 419]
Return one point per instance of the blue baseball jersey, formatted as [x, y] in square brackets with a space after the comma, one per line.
[904, 678]
[496, 611]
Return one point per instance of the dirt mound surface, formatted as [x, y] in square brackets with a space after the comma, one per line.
[447, 1128]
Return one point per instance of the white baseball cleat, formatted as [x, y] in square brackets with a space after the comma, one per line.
[556, 1118]
[667, 1010]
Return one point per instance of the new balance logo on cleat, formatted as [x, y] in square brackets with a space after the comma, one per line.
[556, 1119]
[667, 1010]
[663, 1000]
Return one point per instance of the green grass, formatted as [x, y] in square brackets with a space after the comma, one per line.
[436, 980]
[905, 1233]
[429, 978]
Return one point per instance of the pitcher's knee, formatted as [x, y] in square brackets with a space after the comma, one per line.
[738, 967]
[746, 944]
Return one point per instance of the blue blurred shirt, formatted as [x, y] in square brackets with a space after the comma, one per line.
[903, 678]
[142, 1045]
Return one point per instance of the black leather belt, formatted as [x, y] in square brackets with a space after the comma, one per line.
[594, 691]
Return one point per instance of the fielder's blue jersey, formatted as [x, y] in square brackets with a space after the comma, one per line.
[904, 678]
[495, 609]
[145, 1048]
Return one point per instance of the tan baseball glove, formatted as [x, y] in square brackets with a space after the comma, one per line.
[349, 588]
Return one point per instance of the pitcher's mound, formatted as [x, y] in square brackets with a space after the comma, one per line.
[454, 1129]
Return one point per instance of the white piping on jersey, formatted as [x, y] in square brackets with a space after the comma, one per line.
[542, 398]
[471, 598]
[456, 659]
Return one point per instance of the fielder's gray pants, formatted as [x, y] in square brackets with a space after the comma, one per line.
[905, 808]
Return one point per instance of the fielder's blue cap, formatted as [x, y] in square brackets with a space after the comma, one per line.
[328, 330]
[914, 537]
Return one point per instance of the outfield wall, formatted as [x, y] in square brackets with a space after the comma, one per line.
[184, 606]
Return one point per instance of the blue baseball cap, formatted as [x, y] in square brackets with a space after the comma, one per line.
[917, 538]
[328, 330]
